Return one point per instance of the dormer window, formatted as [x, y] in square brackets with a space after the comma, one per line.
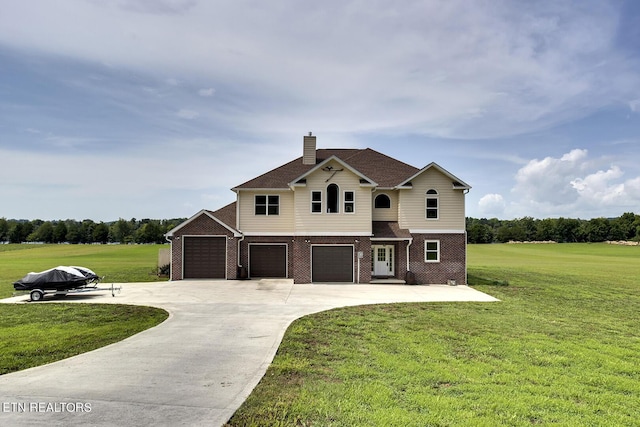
[333, 198]
[432, 204]
[382, 202]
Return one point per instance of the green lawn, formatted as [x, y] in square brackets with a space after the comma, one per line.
[34, 334]
[118, 263]
[562, 348]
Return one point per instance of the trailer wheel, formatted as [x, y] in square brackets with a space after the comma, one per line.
[37, 295]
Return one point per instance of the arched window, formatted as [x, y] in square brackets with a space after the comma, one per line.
[382, 202]
[432, 204]
[333, 198]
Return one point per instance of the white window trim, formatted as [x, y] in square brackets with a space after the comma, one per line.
[437, 252]
[344, 201]
[312, 202]
[266, 205]
[437, 208]
[337, 201]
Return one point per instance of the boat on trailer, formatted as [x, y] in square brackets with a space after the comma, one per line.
[61, 280]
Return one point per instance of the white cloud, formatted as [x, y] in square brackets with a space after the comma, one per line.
[635, 105]
[492, 205]
[572, 183]
[454, 69]
[549, 180]
[187, 114]
[206, 92]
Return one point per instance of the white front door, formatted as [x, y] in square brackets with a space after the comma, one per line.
[382, 258]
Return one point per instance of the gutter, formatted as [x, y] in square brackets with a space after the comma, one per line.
[408, 245]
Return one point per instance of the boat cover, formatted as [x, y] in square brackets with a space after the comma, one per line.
[59, 278]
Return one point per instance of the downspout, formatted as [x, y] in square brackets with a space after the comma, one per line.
[466, 274]
[239, 242]
[408, 245]
[171, 256]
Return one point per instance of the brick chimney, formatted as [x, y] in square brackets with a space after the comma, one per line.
[309, 150]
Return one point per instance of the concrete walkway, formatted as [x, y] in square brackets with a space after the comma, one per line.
[196, 368]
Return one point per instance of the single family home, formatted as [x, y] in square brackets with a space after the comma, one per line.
[332, 215]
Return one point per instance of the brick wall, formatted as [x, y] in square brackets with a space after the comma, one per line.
[302, 256]
[203, 226]
[452, 263]
[244, 249]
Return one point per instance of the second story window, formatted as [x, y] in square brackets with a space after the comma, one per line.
[316, 202]
[267, 205]
[382, 201]
[432, 204]
[349, 202]
[333, 198]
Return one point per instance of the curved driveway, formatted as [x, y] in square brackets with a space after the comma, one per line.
[198, 366]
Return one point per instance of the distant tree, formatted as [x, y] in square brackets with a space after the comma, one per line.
[597, 230]
[121, 231]
[477, 232]
[86, 231]
[73, 232]
[511, 230]
[4, 229]
[101, 233]
[60, 232]
[44, 233]
[15, 233]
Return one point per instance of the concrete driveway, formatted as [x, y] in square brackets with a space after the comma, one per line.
[197, 367]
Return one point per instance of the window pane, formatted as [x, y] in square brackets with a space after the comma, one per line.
[432, 213]
[261, 200]
[273, 210]
[273, 200]
[432, 203]
[432, 246]
[316, 196]
[316, 208]
[348, 196]
[348, 207]
[432, 256]
[382, 202]
[261, 210]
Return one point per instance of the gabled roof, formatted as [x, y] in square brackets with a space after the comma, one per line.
[383, 170]
[225, 216]
[337, 160]
[457, 183]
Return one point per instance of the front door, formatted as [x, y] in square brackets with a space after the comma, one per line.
[383, 261]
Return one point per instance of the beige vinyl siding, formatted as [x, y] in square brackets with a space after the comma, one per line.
[250, 223]
[412, 209]
[385, 214]
[358, 222]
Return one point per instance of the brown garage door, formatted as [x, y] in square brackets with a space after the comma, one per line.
[267, 261]
[204, 257]
[332, 264]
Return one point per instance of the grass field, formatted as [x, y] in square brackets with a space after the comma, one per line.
[35, 334]
[562, 348]
[118, 263]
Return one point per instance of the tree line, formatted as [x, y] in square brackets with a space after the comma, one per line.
[561, 230]
[86, 231]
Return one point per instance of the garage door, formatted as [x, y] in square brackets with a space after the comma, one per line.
[332, 264]
[267, 261]
[204, 257]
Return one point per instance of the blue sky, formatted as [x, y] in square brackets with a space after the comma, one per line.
[156, 108]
